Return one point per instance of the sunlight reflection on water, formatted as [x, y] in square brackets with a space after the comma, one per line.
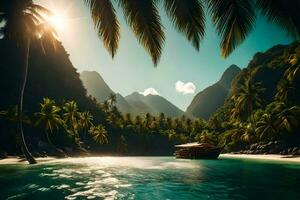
[147, 178]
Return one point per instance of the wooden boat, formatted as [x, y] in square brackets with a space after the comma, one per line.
[198, 151]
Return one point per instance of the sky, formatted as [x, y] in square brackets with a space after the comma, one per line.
[182, 71]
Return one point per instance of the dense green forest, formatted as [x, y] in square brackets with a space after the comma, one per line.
[261, 112]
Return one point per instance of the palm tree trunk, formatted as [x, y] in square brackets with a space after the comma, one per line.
[52, 145]
[24, 148]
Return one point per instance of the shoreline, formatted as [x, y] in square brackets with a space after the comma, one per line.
[261, 157]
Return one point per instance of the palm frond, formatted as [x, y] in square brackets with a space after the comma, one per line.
[106, 23]
[234, 19]
[282, 12]
[188, 17]
[144, 19]
[40, 9]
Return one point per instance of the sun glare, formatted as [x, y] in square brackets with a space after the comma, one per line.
[57, 21]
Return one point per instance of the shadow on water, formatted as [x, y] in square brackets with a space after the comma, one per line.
[150, 178]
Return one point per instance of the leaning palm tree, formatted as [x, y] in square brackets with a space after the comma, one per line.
[49, 118]
[248, 97]
[25, 21]
[99, 134]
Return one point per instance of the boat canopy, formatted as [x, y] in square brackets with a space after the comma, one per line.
[195, 144]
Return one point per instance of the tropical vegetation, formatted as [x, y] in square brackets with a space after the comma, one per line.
[26, 24]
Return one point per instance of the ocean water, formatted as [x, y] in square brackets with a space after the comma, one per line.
[150, 178]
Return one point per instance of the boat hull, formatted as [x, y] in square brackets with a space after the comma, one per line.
[198, 154]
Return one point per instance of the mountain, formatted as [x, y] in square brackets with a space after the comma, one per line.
[97, 87]
[206, 102]
[154, 104]
[134, 103]
[268, 68]
[51, 74]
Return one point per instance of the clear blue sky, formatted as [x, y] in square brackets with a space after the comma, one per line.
[132, 70]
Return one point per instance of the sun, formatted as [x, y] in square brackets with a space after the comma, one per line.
[57, 21]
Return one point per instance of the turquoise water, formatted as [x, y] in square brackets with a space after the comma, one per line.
[150, 178]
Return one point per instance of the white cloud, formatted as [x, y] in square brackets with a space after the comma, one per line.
[150, 91]
[185, 88]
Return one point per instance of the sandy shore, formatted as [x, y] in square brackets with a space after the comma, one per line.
[18, 160]
[270, 157]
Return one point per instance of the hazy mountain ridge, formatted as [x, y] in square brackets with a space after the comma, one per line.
[134, 103]
[206, 102]
[155, 104]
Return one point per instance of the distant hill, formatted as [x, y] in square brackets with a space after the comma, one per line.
[98, 88]
[135, 103]
[206, 102]
[153, 104]
[95, 85]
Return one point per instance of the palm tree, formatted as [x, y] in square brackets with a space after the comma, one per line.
[49, 118]
[148, 120]
[248, 97]
[71, 117]
[294, 69]
[128, 119]
[288, 117]
[171, 134]
[267, 127]
[99, 134]
[25, 22]
[284, 89]
[233, 19]
[112, 99]
[85, 121]
[105, 106]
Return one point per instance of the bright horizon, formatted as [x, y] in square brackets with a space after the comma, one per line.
[132, 69]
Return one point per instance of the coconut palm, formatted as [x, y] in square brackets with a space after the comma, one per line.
[105, 106]
[148, 120]
[112, 99]
[248, 97]
[128, 119]
[267, 126]
[71, 117]
[171, 134]
[288, 117]
[293, 71]
[85, 121]
[99, 134]
[233, 19]
[49, 118]
[284, 89]
[25, 22]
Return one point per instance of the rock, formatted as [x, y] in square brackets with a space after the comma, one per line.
[253, 146]
[295, 150]
[3, 155]
[290, 150]
[284, 152]
[270, 143]
[68, 149]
